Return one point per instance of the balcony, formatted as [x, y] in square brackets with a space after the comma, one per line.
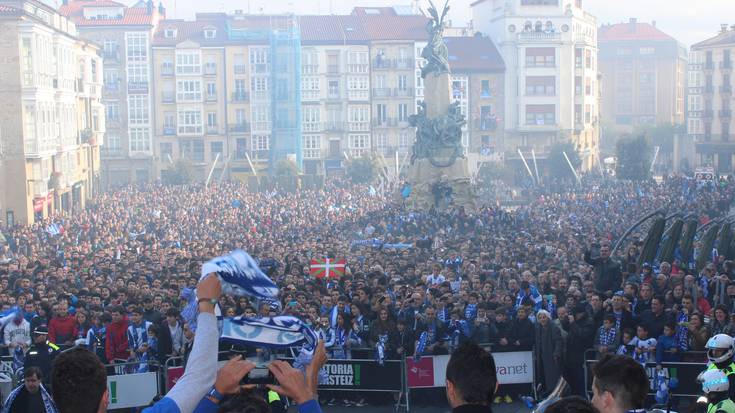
[382, 92]
[491, 123]
[334, 126]
[111, 55]
[309, 69]
[403, 92]
[726, 65]
[240, 96]
[358, 126]
[332, 69]
[385, 122]
[725, 114]
[381, 63]
[405, 63]
[709, 66]
[242, 127]
[334, 96]
[210, 70]
[212, 130]
[112, 86]
[709, 89]
[137, 87]
[240, 69]
[539, 37]
[357, 68]
[168, 97]
[211, 98]
[167, 70]
[169, 130]
[726, 90]
[708, 114]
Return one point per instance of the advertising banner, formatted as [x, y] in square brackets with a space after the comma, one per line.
[365, 375]
[132, 390]
[430, 371]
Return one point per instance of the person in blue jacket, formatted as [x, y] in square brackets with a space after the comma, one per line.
[201, 389]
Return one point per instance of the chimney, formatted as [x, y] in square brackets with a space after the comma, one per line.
[653, 23]
[149, 7]
[723, 27]
[632, 24]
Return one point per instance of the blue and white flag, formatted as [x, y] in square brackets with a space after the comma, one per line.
[240, 276]
[275, 332]
[54, 229]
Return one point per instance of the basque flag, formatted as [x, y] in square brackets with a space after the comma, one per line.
[327, 268]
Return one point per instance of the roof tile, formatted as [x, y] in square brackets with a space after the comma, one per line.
[630, 31]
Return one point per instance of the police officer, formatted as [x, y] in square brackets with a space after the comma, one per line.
[720, 350]
[41, 353]
[715, 386]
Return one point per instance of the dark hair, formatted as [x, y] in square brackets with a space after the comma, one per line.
[172, 312]
[78, 371]
[610, 318]
[572, 404]
[33, 371]
[471, 370]
[245, 402]
[625, 379]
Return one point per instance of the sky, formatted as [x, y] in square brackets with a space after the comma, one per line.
[689, 21]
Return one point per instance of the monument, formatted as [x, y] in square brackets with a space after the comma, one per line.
[439, 173]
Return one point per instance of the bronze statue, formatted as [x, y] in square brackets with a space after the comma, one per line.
[435, 52]
[438, 137]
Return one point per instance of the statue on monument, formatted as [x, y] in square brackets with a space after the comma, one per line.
[436, 52]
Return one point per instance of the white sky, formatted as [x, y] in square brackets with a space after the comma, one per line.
[689, 21]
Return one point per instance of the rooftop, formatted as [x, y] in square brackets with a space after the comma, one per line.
[630, 31]
[132, 16]
[724, 37]
[473, 54]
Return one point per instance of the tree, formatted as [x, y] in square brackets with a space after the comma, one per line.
[558, 165]
[182, 173]
[634, 158]
[661, 135]
[362, 170]
[286, 167]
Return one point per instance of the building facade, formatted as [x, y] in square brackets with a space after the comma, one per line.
[54, 121]
[550, 53]
[643, 74]
[710, 100]
[124, 34]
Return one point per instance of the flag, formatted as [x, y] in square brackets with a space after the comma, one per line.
[55, 229]
[327, 268]
[240, 276]
[273, 332]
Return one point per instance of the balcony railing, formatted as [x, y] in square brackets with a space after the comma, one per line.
[403, 92]
[240, 96]
[333, 69]
[309, 69]
[381, 63]
[168, 97]
[725, 114]
[139, 87]
[240, 69]
[357, 68]
[539, 37]
[382, 92]
[726, 89]
[190, 130]
[334, 126]
[385, 122]
[111, 55]
[709, 66]
[169, 130]
[212, 130]
[334, 96]
[112, 86]
[358, 126]
[167, 70]
[211, 98]
[404, 63]
[243, 127]
[210, 70]
[726, 64]
[709, 89]
[708, 114]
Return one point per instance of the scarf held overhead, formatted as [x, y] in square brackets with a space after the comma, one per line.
[240, 276]
[272, 332]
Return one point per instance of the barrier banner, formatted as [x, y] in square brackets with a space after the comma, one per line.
[132, 390]
[686, 373]
[363, 375]
[430, 371]
[173, 375]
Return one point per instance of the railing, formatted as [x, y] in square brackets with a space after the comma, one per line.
[239, 127]
[403, 92]
[726, 64]
[212, 130]
[726, 89]
[334, 126]
[381, 63]
[111, 55]
[709, 89]
[141, 87]
[240, 96]
[169, 130]
[385, 122]
[240, 69]
[334, 96]
[210, 70]
[539, 37]
[332, 69]
[310, 126]
[167, 70]
[725, 114]
[168, 97]
[357, 68]
[405, 63]
[309, 69]
[709, 66]
[112, 86]
[359, 126]
[211, 98]
[382, 92]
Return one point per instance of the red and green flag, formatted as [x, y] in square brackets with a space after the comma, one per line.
[327, 267]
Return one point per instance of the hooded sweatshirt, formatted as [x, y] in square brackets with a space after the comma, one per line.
[116, 345]
[61, 329]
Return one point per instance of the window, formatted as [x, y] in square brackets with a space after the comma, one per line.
[240, 88]
[137, 75]
[578, 85]
[169, 123]
[403, 112]
[334, 89]
[259, 86]
[310, 119]
[140, 139]
[485, 89]
[587, 86]
[540, 56]
[624, 51]
[540, 114]
[259, 60]
[241, 148]
[357, 83]
[359, 118]
[169, 33]
[402, 82]
[111, 79]
[540, 85]
[578, 114]
[381, 112]
[404, 142]
[210, 33]
[261, 118]
[166, 149]
[112, 111]
[578, 58]
[188, 63]
[138, 112]
[112, 142]
[190, 122]
[212, 120]
[189, 90]
[359, 144]
[588, 59]
[110, 48]
[211, 89]
[261, 143]
[216, 148]
[312, 146]
[647, 50]
[310, 87]
[539, 2]
[381, 142]
[695, 103]
[240, 67]
[240, 117]
[136, 47]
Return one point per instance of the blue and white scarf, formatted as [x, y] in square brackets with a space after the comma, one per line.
[380, 349]
[240, 275]
[607, 337]
[270, 332]
[48, 402]
[420, 346]
[470, 312]
[373, 243]
[303, 360]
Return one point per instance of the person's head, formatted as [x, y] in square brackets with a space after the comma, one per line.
[669, 328]
[572, 404]
[619, 384]
[116, 313]
[609, 321]
[136, 316]
[657, 304]
[642, 332]
[627, 335]
[605, 251]
[32, 379]
[40, 334]
[543, 317]
[245, 401]
[471, 376]
[78, 371]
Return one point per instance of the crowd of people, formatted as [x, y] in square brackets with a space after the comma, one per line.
[538, 277]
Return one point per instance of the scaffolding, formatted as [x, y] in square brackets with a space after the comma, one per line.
[282, 35]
